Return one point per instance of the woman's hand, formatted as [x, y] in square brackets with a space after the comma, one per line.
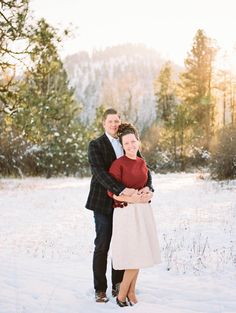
[128, 191]
[135, 197]
[146, 197]
[144, 190]
[146, 194]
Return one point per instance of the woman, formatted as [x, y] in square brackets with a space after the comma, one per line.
[134, 243]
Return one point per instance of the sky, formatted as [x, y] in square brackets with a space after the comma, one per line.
[168, 26]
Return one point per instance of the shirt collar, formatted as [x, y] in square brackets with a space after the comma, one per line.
[110, 137]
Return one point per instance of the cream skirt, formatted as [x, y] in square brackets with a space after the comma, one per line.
[134, 241]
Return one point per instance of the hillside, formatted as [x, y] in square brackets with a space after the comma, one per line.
[120, 76]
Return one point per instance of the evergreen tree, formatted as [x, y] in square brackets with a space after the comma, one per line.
[50, 115]
[165, 94]
[223, 161]
[13, 33]
[196, 86]
[181, 136]
[13, 17]
[97, 127]
[170, 118]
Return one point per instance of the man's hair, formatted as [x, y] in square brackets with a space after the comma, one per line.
[107, 112]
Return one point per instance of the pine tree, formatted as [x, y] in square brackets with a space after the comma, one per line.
[13, 33]
[13, 18]
[50, 114]
[165, 94]
[196, 86]
[171, 137]
[97, 126]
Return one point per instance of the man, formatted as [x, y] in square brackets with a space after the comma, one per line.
[101, 153]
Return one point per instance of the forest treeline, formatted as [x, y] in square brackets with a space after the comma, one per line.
[43, 129]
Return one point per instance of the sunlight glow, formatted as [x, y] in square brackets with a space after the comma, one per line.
[226, 61]
[168, 26]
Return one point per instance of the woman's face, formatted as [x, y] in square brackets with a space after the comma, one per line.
[130, 144]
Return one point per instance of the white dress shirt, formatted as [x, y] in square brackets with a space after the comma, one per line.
[116, 145]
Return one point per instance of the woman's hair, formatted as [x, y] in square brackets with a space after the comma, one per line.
[126, 129]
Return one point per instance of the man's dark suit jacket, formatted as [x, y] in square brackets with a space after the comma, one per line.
[101, 155]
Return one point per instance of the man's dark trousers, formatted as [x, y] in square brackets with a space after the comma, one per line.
[103, 228]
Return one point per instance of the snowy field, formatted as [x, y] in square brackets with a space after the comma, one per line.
[46, 245]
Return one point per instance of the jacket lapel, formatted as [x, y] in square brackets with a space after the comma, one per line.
[109, 146]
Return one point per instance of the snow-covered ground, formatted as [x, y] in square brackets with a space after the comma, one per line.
[46, 246]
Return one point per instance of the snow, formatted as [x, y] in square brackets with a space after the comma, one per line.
[46, 246]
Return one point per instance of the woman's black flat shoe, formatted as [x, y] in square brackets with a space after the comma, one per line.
[121, 303]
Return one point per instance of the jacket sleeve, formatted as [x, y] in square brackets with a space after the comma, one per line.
[149, 180]
[98, 169]
[115, 171]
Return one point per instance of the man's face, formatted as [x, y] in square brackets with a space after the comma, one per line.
[111, 124]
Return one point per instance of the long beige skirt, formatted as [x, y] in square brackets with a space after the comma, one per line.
[134, 242]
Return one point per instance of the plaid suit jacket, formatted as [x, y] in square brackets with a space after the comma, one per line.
[101, 155]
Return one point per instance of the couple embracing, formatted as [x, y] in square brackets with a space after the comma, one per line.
[120, 195]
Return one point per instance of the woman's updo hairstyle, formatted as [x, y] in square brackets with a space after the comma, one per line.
[126, 129]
